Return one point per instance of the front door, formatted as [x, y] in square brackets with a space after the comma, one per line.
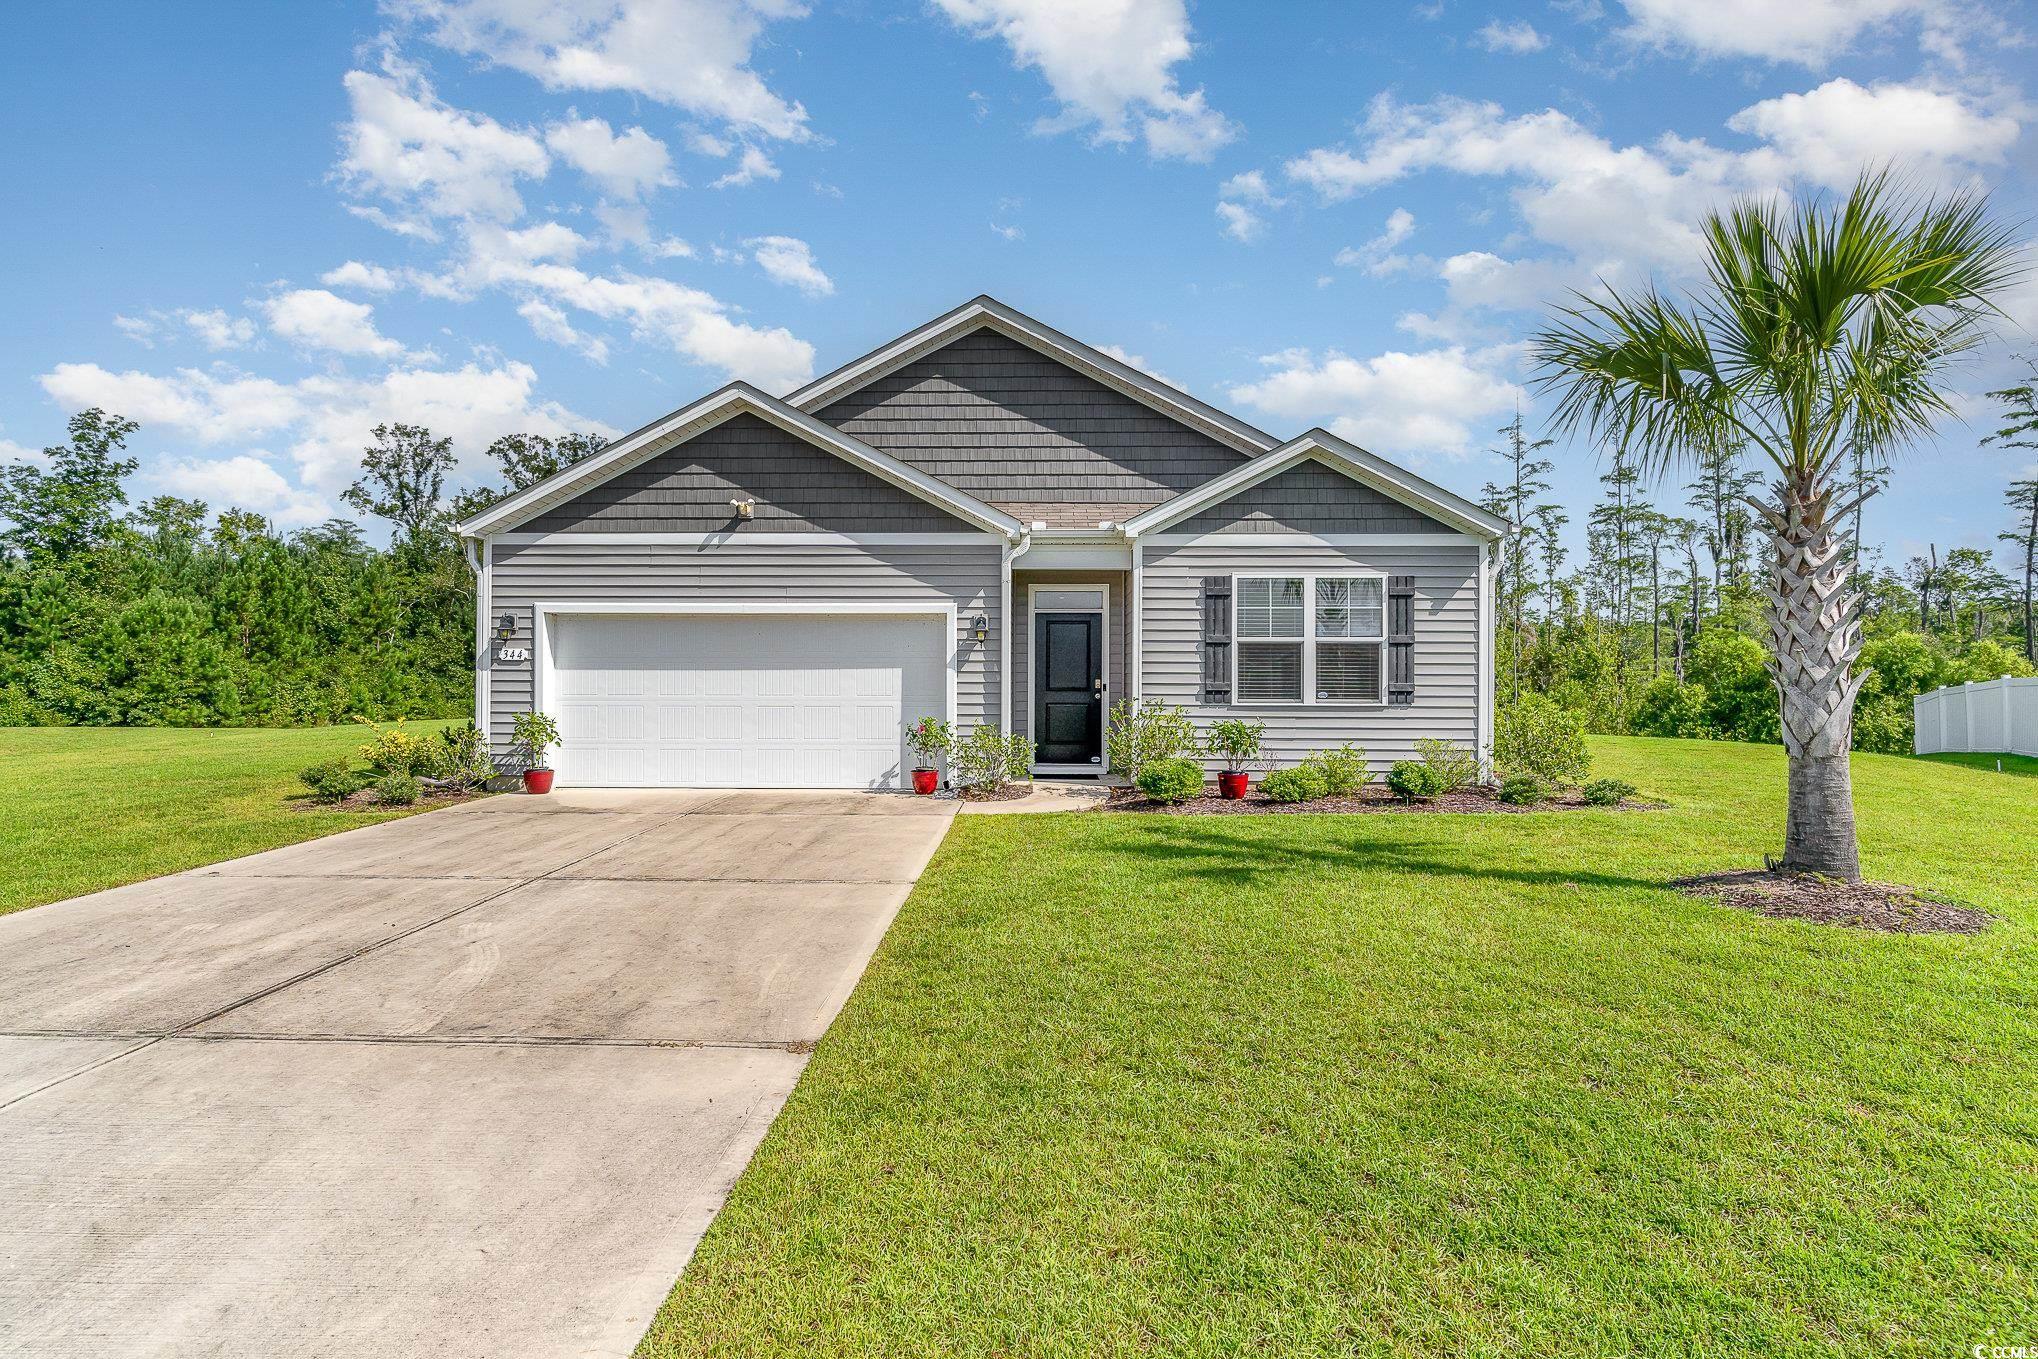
[1068, 688]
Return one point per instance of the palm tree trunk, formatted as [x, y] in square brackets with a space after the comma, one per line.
[1815, 635]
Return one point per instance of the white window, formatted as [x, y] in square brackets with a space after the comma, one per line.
[1309, 639]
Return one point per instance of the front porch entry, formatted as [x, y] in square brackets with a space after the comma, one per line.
[1070, 668]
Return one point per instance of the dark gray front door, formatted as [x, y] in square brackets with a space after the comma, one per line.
[1068, 688]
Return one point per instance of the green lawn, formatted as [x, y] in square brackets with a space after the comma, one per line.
[93, 807]
[1414, 1085]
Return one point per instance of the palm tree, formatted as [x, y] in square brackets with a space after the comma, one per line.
[1823, 330]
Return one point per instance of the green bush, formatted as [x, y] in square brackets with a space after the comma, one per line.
[1303, 783]
[1146, 733]
[392, 750]
[1534, 736]
[1343, 769]
[987, 760]
[1608, 792]
[1740, 697]
[1171, 781]
[1522, 790]
[1416, 780]
[1450, 764]
[329, 780]
[1666, 708]
[535, 732]
[463, 758]
[397, 790]
[1237, 742]
[930, 738]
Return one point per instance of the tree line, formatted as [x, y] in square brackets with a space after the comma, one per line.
[1658, 629]
[167, 614]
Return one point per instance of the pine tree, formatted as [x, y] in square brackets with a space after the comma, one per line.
[2020, 430]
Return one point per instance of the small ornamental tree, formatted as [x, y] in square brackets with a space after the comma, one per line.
[930, 739]
[535, 732]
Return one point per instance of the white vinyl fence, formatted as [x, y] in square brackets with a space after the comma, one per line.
[1997, 715]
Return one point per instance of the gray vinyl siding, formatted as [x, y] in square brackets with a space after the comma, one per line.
[1011, 426]
[1446, 645]
[1310, 498]
[526, 574]
[1118, 609]
[797, 488]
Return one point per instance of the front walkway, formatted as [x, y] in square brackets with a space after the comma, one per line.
[473, 1082]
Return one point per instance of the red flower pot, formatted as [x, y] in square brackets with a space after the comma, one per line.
[925, 780]
[1232, 784]
[537, 780]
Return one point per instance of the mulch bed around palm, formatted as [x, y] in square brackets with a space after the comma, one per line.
[1372, 798]
[1881, 906]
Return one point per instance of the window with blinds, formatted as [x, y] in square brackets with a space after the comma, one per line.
[1319, 639]
[1270, 635]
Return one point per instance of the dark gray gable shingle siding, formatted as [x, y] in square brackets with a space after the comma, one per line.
[1012, 426]
[1310, 498]
[797, 487]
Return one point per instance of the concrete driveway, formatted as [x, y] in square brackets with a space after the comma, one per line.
[472, 1082]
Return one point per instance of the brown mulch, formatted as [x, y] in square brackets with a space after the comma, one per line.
[1011, 792]
[364, 800]
[1881, 906]
[1374, 797]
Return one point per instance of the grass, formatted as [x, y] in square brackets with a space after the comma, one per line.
[2010, 764]
[1122, 1085]
[94, 807]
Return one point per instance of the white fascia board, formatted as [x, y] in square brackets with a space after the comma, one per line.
[1340, 456]
[738, 398]
[984, 312]
[748, 539]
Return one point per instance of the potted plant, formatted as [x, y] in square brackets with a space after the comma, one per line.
[535, 732]
[1237, 743]
[930, 739]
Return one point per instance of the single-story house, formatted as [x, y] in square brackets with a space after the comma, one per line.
[983, 520]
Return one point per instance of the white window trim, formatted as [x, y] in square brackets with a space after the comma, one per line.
[1103, 611]
[1309, 639]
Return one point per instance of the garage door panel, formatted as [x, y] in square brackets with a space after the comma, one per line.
[779, 700]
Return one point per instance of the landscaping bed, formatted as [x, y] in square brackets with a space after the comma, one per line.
[1882, 906]
[1371, 798]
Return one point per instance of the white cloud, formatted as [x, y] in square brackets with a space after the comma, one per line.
[790, 260]
[217, 330]
[1015, 232]
[406, 145]
[1396, 403]
[140, 329]
[325, 418]
[1809, 32]
[11, 451]
[1238, 202]
[627, 165]
[318, 319]
[1377, 256]
[1131, 360]
[369, 278]
[1110, 64]
[1617, 212]
[751, 166]
[692, 54]
[547, 322]
[244, 481]
[1516, 37]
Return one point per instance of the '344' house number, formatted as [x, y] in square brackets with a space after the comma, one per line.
[513, 653]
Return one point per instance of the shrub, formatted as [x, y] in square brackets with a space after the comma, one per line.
[1171, 781]
[1534, 736]
[1522, 790]
[535, 732]
[1303, 783]
[1237, 742]
[1608, 792]
[1666, 708]
[987, 760]
[396, 751]
[1740, 697]
[930, 738]
[1416, 780]
[397, 790]
[1451, 766]
[464, 760]
[329, 780]
[1343, 769]
[1143, 734]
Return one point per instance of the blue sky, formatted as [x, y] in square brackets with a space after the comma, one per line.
[261, 229]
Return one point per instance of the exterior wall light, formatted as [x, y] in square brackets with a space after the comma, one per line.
[745, 509]
[980, 627]
[505, 627]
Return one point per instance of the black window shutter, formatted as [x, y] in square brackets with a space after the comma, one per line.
[1400, 640]
[1217, 639]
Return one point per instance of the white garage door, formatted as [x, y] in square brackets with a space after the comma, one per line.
[742, 701]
